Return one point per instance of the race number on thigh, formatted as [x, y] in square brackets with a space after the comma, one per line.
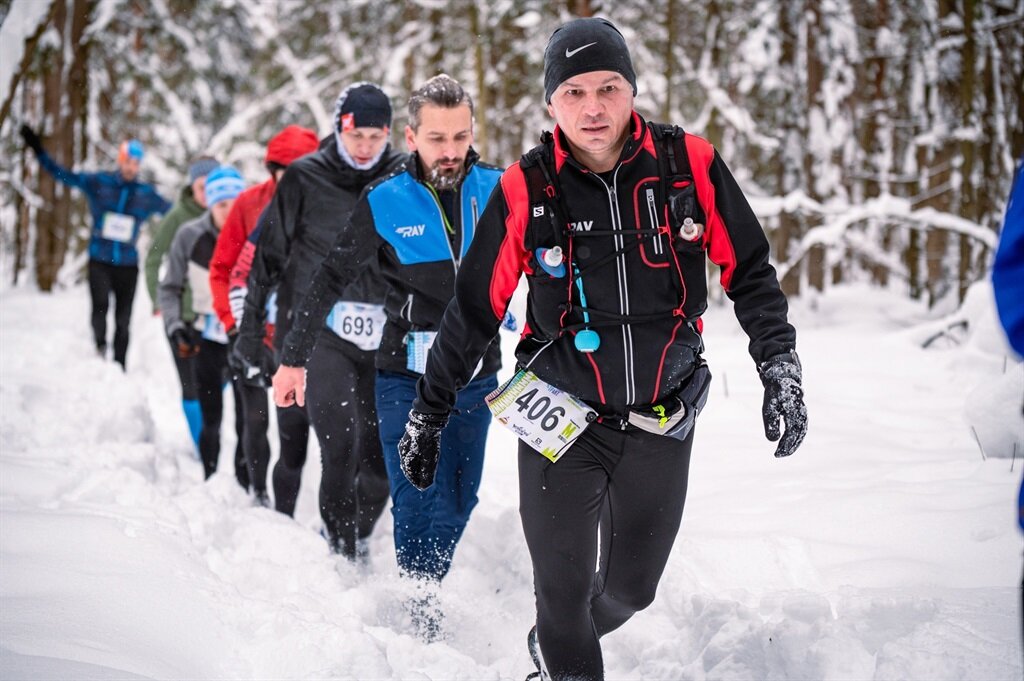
[118, 227]
[541, 415]
[361, 324]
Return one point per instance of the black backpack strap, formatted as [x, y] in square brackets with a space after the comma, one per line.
[677, 175]
[545, 200]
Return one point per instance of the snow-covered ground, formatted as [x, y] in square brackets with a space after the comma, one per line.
[886, 548]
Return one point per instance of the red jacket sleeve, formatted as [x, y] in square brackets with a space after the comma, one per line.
[240, 223]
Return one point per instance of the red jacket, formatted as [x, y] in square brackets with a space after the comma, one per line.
[240, 223]
[288, 145]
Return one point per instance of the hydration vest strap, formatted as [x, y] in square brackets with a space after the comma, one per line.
[545, 199]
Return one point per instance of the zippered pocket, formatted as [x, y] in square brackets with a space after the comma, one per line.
[652, 212]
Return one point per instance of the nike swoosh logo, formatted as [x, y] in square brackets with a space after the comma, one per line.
[569, 53]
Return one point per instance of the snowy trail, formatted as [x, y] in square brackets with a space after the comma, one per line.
[885, 548]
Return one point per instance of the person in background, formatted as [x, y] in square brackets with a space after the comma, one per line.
[204, 338]
[414, 227]
[1008, 284]
[611, 218]
[191, 204]
[309, 209]
[288, 145]
[119, 204]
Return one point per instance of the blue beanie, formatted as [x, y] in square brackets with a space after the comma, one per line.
[130, 149]
[222, 184]
[201, 167]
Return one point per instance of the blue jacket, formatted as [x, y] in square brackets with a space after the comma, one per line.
[1008, 270]
[112, 239]
[400, 229]
[1008, 280]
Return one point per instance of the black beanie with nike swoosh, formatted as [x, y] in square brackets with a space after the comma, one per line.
[582, 46]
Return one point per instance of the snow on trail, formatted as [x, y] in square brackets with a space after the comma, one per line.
[885, 548]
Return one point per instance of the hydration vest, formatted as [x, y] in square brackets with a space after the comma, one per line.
[687, 221]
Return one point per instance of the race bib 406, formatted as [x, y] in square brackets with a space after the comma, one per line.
[541, 415]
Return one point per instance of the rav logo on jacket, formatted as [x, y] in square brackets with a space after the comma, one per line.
[582, 225]
[411, 230]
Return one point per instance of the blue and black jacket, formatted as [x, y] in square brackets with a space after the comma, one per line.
[401, 229]
[110, 193]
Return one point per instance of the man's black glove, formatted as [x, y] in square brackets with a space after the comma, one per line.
[252, 359]
[32, 140]
[234, 361]
[248, 349]
[783, 397]
[420, 447]
[185, 343]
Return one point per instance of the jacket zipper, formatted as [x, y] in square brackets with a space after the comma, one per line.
[652, 211]
[620, 267]
[447, 226]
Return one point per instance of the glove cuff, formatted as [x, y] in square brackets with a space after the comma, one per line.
[175, 328]
[420, 418]
[784, 365]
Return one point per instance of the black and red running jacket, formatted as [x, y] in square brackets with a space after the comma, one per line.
[645, 286]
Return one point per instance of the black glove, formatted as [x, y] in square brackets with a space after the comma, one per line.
[420, 447]
[783, 397]
[185, 342]
[234, 361]
[248, 349]
[32, 140]
[252, 359]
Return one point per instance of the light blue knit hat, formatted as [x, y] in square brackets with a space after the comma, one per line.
[222, 184]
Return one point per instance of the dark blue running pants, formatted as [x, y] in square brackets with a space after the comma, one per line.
[429, 524]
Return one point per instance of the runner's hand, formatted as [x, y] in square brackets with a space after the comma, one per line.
[185, 343]
[420, 447]
[290, 386]
[32, 140]
[783, 398]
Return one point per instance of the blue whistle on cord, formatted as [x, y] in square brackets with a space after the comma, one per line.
[586, 340]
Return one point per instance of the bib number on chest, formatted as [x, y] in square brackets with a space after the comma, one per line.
[541, 415]
[358, 323]
[118, 227]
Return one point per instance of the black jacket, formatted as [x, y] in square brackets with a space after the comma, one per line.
[645, 286]
[400, 231]
[310, 208]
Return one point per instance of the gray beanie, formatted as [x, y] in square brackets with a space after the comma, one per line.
[201, 167]
[582, 46]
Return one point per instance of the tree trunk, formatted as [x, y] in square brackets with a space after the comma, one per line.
[813, 28]
[480, 141]
[52, 215]
[789, 167]
[670, 59]
[969, 206]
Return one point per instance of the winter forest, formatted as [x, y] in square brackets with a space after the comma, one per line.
[876, 140]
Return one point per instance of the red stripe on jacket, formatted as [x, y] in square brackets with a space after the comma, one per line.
[716, 236]
[512, 256]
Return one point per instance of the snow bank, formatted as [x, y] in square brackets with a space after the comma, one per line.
[884, 548]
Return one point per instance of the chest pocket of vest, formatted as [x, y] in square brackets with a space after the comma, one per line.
[689, 242]
[548, 294]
